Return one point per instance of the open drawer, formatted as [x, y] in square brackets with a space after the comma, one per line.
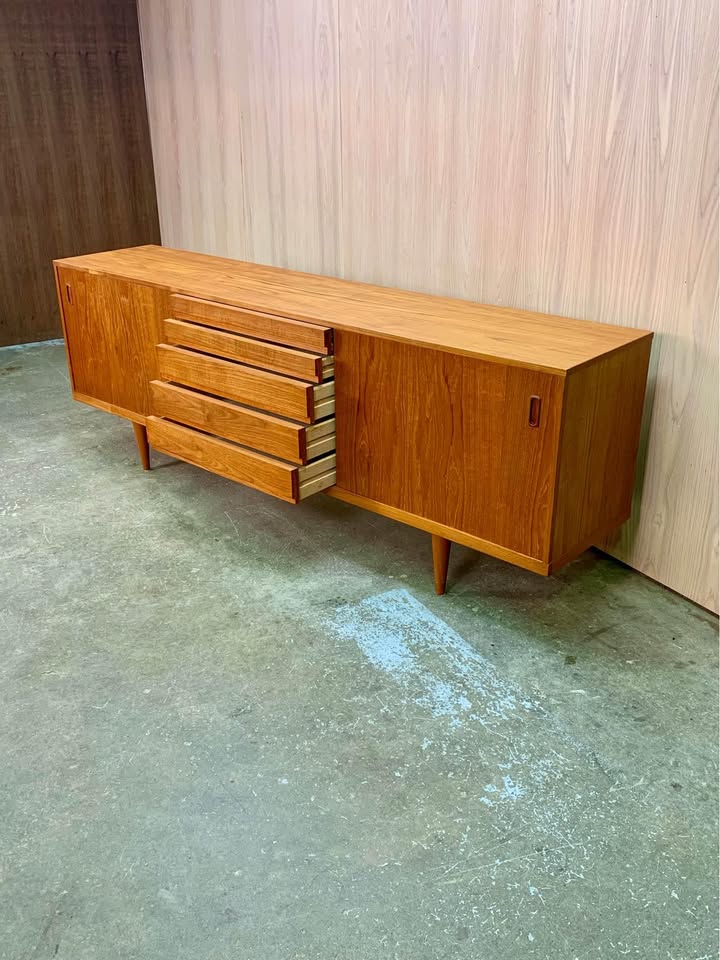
[248, 396]
[276, 477]
[285, 396]
[261, 431]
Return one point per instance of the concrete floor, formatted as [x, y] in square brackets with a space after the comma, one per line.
[232, 728]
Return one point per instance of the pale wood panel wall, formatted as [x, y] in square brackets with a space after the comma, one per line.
[243, 99]
[560, 157]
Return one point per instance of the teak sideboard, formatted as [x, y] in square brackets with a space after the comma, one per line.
[511, 432]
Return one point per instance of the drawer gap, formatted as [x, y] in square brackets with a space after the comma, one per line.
[319, 429]
[316, 448]
[323, 391]
[316, 484]
[324, 408]
[317, 467]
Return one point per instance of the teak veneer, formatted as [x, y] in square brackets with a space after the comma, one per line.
[511, 432]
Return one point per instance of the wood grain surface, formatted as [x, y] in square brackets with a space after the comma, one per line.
[111, 327]
[447, 438]
[76, 169]
[261, 325]
[235, 463]
[266, 391]
[256, 88]
[442, 530]
[282, 480]
[598, 449]
[498, 334]
[251, 428]
[561, 158]
[258, 353]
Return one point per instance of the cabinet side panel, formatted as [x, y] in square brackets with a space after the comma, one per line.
[598, 449]
[447, 438]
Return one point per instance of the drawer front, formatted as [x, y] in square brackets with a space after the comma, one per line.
[257, 353]
[219, 456]
[282, 480]
[248, 396]
[266, 391]
[251, 428]
[264, 326]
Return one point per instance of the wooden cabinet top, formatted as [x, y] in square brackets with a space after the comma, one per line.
[499, 334]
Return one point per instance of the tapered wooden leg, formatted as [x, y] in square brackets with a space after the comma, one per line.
[142, 444]
[441, 556]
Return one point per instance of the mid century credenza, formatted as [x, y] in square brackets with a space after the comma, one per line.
[511, 432]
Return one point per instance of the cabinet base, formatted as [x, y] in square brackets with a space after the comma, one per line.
[441, 530]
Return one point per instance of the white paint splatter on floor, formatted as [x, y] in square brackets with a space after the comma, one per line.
[401, 636]
[439, 671]
[537, 809]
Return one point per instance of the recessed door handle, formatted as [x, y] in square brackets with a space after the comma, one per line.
[68, 293]
[534, 413]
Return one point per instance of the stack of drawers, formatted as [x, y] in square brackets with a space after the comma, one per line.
[246, 395]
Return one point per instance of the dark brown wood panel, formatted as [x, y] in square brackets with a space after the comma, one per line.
[75, 164]
[112, 327]
[447, 438]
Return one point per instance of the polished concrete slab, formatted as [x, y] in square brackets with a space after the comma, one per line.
[233, 728]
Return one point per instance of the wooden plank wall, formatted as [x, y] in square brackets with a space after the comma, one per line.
[556, 156]
[75, 161]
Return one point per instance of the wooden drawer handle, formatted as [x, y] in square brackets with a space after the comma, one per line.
[534, 414]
